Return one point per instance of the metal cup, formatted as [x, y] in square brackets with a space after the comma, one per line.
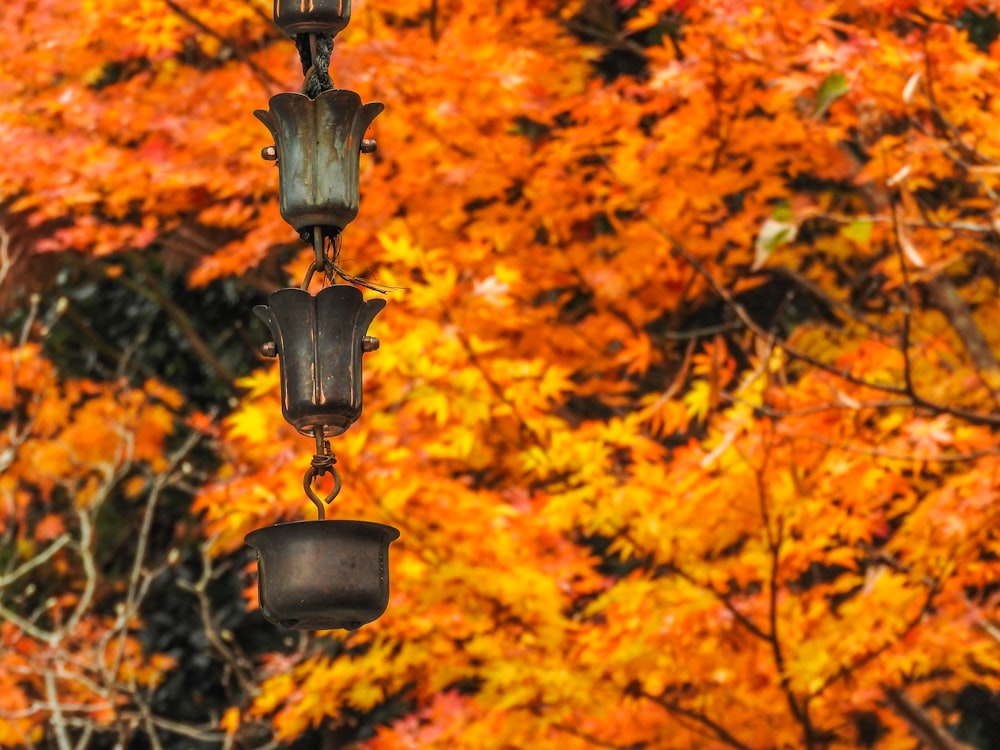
[320, 575]
[312, 16]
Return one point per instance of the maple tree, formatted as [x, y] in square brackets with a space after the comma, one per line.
[686, 405]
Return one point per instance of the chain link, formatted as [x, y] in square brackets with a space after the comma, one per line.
[323, 462]
[315, 51]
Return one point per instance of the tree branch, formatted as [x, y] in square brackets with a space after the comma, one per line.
[267, 82]
[152, 292]
[40, 559]
[723, 599]
[236, 663]
[677, 249]
[717, 729]
[947, 299]
[921, 724]
[132, 596]
[58, 721]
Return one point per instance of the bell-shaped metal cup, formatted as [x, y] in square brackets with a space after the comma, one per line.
[320, 575]
[319, 340]
[318, 148]
[312, 17]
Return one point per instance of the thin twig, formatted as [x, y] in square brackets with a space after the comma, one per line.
[267, 82]
[831, 301]
[40, 559]
[45, 636]
[83, 741]
[86, 552]
[152, 292]
[589, 738]
[775, 539]
[58, 721]
[869, 656]
[867, 450]
[741, 618]
[904, 335]
[163, 479]
[147, 721]
[237, 664]
[679, 250]
[5, 261]
[717, 729]
[921, 724]
[185, 730]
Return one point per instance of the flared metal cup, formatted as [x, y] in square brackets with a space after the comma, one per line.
[317, 143]
[319, 340]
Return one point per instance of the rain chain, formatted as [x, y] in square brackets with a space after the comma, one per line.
[321, 574]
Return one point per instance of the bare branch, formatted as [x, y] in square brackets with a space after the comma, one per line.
[155, 294]
[40, 559]
[237, 663]
[921, 724]
[725, 600]
[83, 741]
[267, 82]
[679, 250]
[947, 299]
[5, 262]
[58, 722]
[86, 552]
[132, 597]
[871, 655]
[587, 737]
[28, 627]
[717, 729]
[147, 722]
[867, 450]
[832, 302]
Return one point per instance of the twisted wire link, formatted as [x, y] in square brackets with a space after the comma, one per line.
[314, 54]
[326, 252]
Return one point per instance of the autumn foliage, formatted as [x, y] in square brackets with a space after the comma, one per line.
[687, 403]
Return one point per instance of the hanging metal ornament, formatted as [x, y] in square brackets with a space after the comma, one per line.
[319, 339]
[320, 574]
[318, 146]
[323, 574]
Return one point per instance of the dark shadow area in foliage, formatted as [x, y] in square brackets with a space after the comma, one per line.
[983, 28]
[979, 724]
[141, 323]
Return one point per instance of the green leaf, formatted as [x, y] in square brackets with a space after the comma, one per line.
[777, 230]
[833, 87]
[859, 232]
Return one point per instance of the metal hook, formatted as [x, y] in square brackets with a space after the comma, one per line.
[311, 473]
[323, 462]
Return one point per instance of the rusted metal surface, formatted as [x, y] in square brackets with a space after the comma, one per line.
[319, 575]
[319, 340]
[318, 144]
[312, 16]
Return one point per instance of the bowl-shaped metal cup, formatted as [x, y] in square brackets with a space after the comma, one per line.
[320, 575]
